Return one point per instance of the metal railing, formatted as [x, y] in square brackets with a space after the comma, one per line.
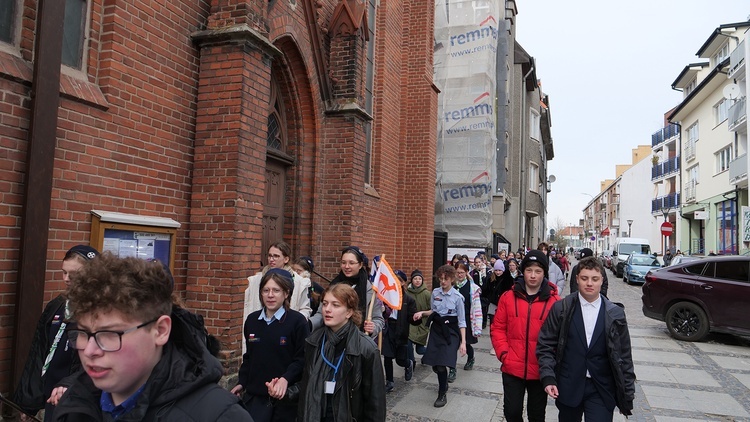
[689, 150]
[737, 114]
[671, 201]
[738, 169]
[666, 167]
[689, 191]
[664, 133]
[736, 59]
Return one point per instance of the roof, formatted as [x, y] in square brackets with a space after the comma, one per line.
[718, 33]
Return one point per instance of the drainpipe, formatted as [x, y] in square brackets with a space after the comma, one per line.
[40, 158]
[524, 164]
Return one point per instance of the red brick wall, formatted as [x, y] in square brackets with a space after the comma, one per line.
[160, 126]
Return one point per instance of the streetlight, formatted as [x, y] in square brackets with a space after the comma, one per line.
[630, 223]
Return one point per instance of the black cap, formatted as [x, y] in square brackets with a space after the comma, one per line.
[401, 275]
[309, 262]
[84, 251]
[586, 252]
[537, 257]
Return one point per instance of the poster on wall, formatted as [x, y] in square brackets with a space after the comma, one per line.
[746, 224]
[466, 35]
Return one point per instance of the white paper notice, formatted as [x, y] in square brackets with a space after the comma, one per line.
[128, 248]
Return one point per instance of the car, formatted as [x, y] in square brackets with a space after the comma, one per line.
[606, 259]
[637, 266]
[679, 259]
[702, 296]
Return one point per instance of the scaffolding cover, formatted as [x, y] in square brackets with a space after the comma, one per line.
[464, 65]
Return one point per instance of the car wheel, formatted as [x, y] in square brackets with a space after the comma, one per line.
[625, 279]
[687, 321]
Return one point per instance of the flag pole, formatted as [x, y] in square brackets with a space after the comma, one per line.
[372, 302]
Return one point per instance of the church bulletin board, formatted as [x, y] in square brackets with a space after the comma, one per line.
[127, 235]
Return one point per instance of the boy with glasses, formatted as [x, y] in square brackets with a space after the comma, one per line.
[139, 360]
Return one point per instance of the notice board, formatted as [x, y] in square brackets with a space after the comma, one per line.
[127, 235]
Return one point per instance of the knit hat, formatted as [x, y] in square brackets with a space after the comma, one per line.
[552, 253]
[401, 275]
[416, 273]
[537, 257]
[586, 252]
[494, 255]
[84, 251]
[499, 266]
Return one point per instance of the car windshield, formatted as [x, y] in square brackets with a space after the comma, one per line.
[645, 260]
[627, 249]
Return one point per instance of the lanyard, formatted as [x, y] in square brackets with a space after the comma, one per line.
[329, 363]
[55, 342]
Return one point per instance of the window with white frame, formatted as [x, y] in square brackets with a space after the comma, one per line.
[690, 87]
[721, 54]
[723, 157]
[693, 178]
[721, 111]
[74, 33]
[692, 138]
[533, 177]
[535, 130]
[8, 21]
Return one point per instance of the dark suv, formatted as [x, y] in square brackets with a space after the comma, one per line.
[696, 297]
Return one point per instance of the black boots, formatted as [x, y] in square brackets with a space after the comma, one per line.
[441, 400]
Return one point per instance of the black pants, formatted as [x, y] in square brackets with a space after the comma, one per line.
[592, 406]
[265, 409]
[514, 389]
[469, 352]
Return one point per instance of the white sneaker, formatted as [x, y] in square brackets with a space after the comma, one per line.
[492, 351]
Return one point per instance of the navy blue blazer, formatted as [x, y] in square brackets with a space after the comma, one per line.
[580, 357]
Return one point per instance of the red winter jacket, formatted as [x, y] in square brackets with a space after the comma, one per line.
[515, 330]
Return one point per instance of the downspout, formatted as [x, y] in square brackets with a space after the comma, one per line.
[40, 161]
[524, 164]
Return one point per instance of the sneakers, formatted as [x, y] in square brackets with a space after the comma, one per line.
[441, 400]
[409, 371]
[492, 352]
[451, 375]
[389, 386]
[469, 365]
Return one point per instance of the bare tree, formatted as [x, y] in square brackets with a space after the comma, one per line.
[558, 239]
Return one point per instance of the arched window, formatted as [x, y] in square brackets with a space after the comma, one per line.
[276, 138]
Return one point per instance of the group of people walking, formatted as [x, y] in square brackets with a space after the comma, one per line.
[314, 354]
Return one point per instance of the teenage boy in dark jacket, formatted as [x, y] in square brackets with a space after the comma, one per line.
[141, 361]
[584, 353]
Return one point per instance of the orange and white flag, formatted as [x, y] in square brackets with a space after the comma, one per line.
[387, 285]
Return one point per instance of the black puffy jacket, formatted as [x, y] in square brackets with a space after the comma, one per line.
[182, 386]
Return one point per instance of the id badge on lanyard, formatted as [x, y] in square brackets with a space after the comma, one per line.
[330, 386]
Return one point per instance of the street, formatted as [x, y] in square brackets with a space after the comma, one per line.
[677, 381]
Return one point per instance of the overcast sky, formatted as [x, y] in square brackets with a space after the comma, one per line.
[608, 67]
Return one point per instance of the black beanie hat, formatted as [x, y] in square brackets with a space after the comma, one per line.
[537, 257]
[416, 273]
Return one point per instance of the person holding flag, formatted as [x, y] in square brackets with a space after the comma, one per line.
[354, 273]
[399, 316]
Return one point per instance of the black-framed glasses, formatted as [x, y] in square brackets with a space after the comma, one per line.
[107, 340]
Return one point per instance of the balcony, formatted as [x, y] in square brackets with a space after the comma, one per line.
[665, 168]
[738, 170]
[737, 121]
[664, 134]
[689, 150]
[737, 61]
[671, 201]
[690, 188]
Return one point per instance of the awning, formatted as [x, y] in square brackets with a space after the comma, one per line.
[605, 232]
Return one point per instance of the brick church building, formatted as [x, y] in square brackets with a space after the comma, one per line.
[232, 123]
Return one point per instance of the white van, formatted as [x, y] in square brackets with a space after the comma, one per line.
[624, 246]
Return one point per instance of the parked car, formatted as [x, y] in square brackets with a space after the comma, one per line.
[637, 266]
[624, 246]
[577, 253]
[680, 259]
[606, 259]
[693, 298]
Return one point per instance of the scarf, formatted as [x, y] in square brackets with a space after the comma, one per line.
[359, 283]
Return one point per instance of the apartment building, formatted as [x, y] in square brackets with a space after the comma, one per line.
[712, 145]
